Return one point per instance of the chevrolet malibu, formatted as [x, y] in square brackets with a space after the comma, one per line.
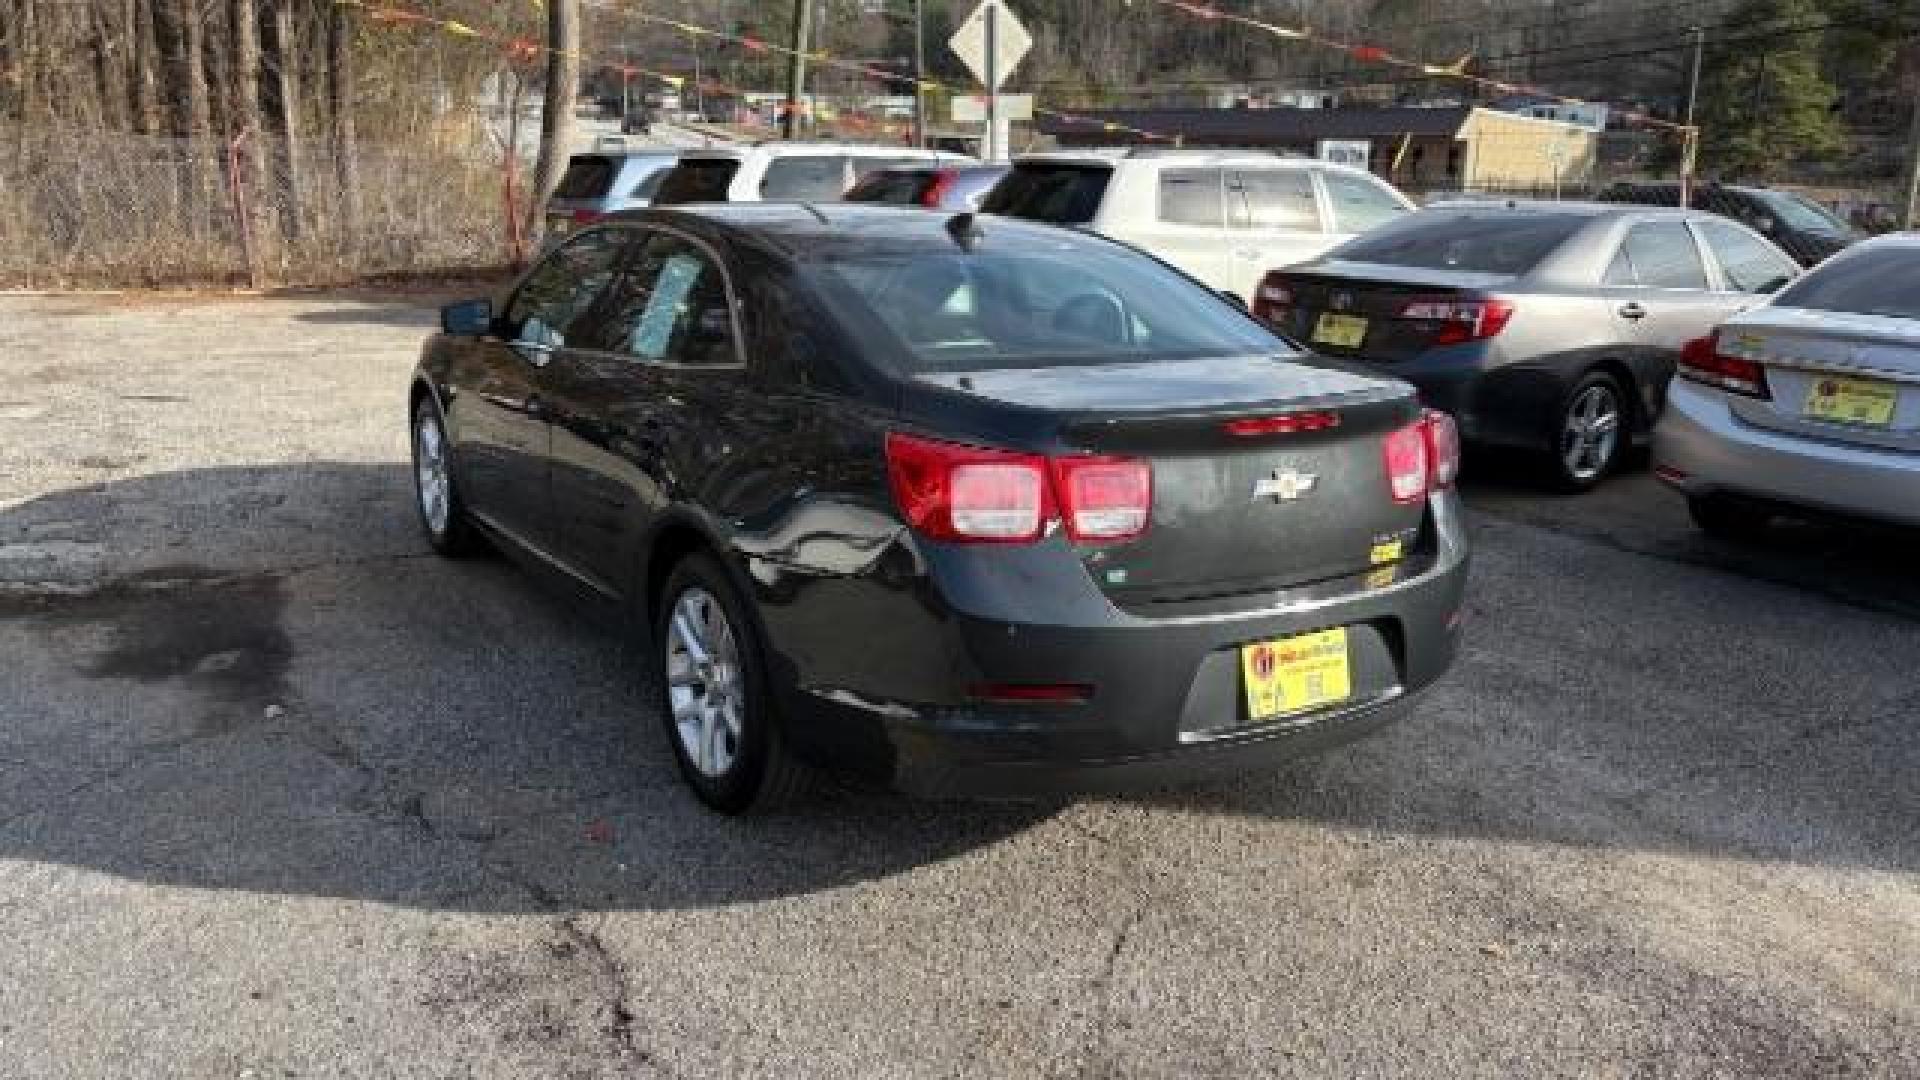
[957, 504]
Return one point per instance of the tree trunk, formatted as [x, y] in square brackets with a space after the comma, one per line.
[146, 79]
[254, 153]
[340, 89]
[556, 112]
[178, 26]
[283, 62]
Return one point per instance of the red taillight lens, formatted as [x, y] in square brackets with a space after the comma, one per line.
[967, 493]
[1443, 448]
[1702, 361]
[1406, 457]
[1456, 321]
[586, 217]
[1284, 424]
[1273, 300]
[937, 191]
[1103, 499]
[970, 494]
[1031, 693]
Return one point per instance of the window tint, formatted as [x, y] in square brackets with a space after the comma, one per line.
[697, 180]
[1664, 256]
[1191, 197]
[671, 307]
[1073, 303]
[1750, 263]
[1273, 199]
[588, 176]
[1874, 281]
[808, 179]
[1477, 242]
[1359, 203]
[1060, 193]
[552, 305]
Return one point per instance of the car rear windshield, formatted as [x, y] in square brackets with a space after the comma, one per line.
[1069, 303]
[1059, 193]
[1475, 243]
[1874, 281]
[588, 176]
[900, 186]
[697, 180]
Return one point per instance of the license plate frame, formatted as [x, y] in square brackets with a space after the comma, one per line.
[1852, 400]
[1341, 331]
[1288, 676]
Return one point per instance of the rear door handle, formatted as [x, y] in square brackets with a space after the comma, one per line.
[1631, 310]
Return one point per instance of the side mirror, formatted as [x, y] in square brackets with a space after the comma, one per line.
[467, 318]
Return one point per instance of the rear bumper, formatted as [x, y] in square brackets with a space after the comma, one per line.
[1701, 448]
[885, 700]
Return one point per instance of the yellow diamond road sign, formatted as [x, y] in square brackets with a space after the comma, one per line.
[1010, 42]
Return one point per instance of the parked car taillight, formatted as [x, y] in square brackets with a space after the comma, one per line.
[937, 191]
[1702, 361]
[1273, 300]
[1456, 321]
[971, 494]
[1422, 457]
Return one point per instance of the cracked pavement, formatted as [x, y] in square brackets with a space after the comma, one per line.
[283, 795]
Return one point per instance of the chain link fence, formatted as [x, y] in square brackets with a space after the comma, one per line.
[96, 210]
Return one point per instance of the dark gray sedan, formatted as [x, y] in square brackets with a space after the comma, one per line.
[1552, 327]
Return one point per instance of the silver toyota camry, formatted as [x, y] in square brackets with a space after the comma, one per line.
[1810, 403]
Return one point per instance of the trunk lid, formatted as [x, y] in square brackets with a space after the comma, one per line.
[1376, 295]
[1835, 376]
[1232, 513]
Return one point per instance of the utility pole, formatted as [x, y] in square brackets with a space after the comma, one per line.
[991, 143]
[919, 78]
[1690, 148]
[797, 67]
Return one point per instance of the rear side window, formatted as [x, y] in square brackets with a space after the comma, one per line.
[1191, 197]
[588, 176]
[805, 179]
[1476, 243]
[1874, 281]
[1059, 193]
[1273, 199]
[1750, 263]
[697, 180]
[1360, 204]
[1664, 256]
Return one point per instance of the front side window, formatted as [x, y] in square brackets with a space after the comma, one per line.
[805, 179]
[1273, 199]
[1360, 203]
[1665, 256]
[1191, 197]
[551, 308]
[1750, 263]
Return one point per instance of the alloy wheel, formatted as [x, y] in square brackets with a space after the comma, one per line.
[706, 688]
[1590, 432]
[430, 476]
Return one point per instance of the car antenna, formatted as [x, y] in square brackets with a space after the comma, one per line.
[965, 230]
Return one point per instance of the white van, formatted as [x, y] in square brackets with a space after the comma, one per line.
[1224, 216]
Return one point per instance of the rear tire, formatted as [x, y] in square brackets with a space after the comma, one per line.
[1589, 433]
[443, 516]
[1728, 519]
[714, 697]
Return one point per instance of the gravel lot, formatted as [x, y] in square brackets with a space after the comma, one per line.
[283, 795]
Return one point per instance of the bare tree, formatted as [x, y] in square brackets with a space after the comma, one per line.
[283, 62]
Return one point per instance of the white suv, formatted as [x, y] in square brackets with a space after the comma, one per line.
[784, 171]
[1224, 216]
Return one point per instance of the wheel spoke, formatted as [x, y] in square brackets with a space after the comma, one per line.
[690, 639]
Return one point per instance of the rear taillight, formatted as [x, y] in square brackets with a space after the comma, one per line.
[1273, 300]
[586, 217]
[1455, 321]
[1422, 457]
[970, 494]
[1702, 361]
[937, 191]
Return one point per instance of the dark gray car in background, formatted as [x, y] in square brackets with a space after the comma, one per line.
[1551, 327]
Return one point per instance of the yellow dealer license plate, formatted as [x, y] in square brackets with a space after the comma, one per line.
[1852, 401]
[1296, 674]
[1345, 331]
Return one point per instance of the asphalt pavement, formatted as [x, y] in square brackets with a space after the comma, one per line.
[283, 795]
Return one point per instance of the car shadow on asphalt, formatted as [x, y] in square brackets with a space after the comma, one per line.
[297, 698]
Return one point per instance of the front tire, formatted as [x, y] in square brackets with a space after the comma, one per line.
[1726, 519]
[714, 696]
[442, 514]
[1590, 433]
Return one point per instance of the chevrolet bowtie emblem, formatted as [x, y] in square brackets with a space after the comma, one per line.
[1284, 485]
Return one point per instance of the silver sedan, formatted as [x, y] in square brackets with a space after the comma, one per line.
[1808, 404]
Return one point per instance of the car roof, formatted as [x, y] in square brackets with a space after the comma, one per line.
[1181, 158]
[1568, 207]
[783, 149]
[811, 228]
